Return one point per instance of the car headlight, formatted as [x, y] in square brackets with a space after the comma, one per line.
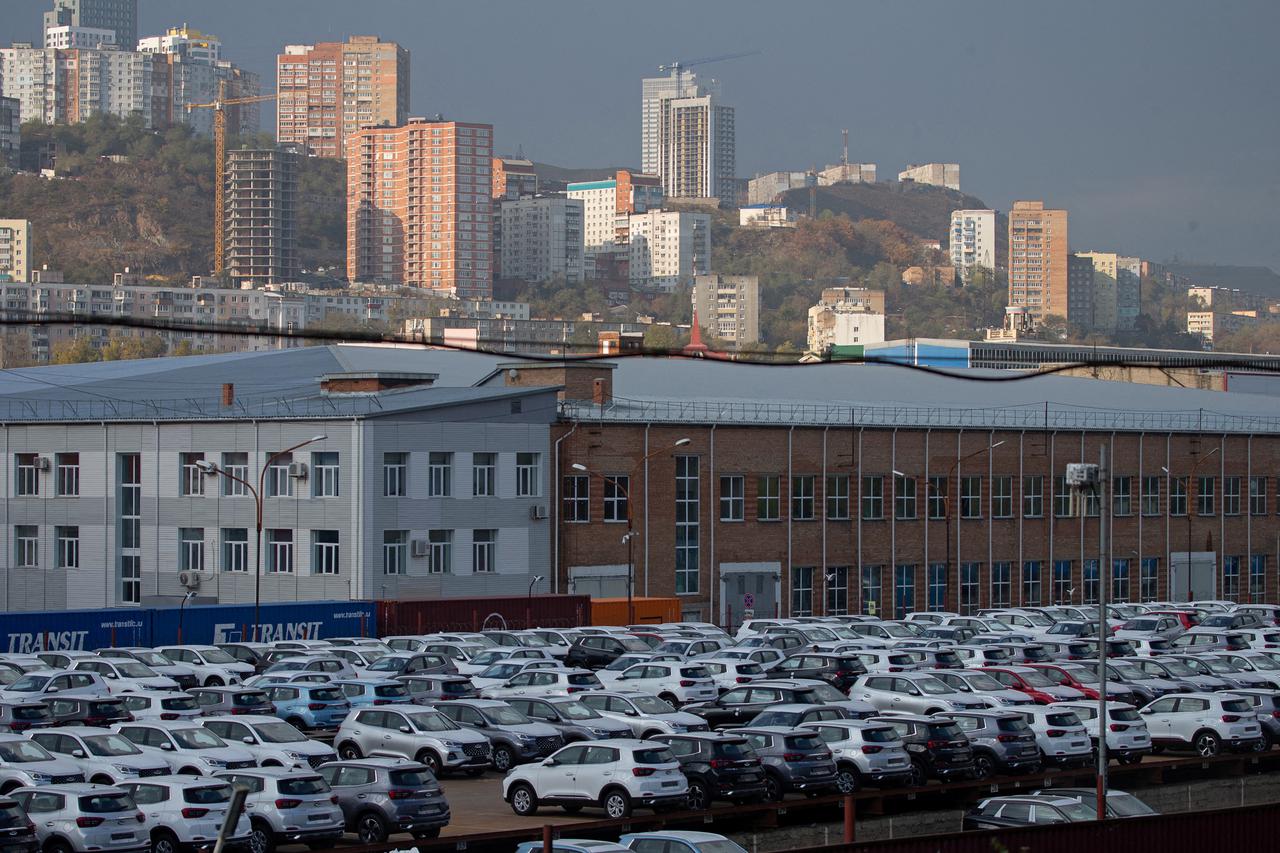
[526, 738]
[213, 762]
[450, 744]
[40, 778]
[600, 732]
[296, 756]
[127, 771]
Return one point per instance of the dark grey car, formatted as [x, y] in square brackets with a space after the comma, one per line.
[1001, 740]
[794, 760]
[515, 738]
[574, 720]
[382, 796]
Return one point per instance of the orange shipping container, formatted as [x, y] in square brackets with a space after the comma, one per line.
[648, 611]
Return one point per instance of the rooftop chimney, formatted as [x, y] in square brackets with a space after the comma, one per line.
[228, 395]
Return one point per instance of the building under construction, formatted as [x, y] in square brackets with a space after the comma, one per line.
[261, 243]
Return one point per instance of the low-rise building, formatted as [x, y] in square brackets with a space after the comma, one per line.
[728, 306]
[668, 248]
[935, 174]
[766, 216]
[542, 239]
[765, 189]
[847, 173]
[846, 317]
[1213, 325]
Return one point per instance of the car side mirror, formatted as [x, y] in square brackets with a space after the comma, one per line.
[631, 713]
[550, 762]
[247, 739]
[77, 753]
[166, 746]
[1144, 711]
[52, 690]
[406, 730]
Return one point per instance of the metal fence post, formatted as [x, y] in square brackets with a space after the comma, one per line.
[849, 822]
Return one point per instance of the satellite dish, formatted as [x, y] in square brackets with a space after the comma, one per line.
[512, 373]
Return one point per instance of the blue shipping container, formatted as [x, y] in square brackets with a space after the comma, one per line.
[229, 623]
[29, 633]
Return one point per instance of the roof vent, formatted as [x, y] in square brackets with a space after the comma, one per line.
[373, 382]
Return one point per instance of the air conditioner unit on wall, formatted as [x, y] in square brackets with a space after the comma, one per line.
[420, 548]
[190, 580]
[538, 512]
[298, 470]
[42, 463]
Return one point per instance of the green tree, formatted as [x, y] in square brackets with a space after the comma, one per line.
[77, 350]
[661, 337]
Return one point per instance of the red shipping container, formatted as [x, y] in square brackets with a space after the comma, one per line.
[479, 614]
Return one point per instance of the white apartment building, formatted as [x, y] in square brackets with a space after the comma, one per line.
[846, 316]
[728, 306]
[935, 174]
[766, 216]
[606, 208]
[669, 248]
[15, 249]
[67, 37]
[185, 41]
[973, 241]
[542, 239]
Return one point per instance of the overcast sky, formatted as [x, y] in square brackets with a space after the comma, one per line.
[1155, 122]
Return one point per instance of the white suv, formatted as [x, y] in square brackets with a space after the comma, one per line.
[1062, 738]
[289, 807]
[185, 813]
[913, 693]
[23, 762]
[1205, 721]
[212, 666]
[189, 748]
[544, 682]
[271, 741]
[865, 752]
[614, 774]
[84, 817]
[1127, 736]
[675, 682]
[105, 757]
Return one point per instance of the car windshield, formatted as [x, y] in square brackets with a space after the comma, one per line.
[651, 705]
[532, 641]
[1125, 715]
[197, 739]
[1237, 706]
[932, 686]
[633, 644]
[654, 756]
[576, 711]
[433, 721]
[1218, 665]
[1221, 620]
[391, 691]
[135, 670]
[1062, 718]
[502, 715]
[1036, 678]
[1177, 668]
[500, 670]
[327, 694]
[822, 693]
[107, 803]
[303, 786]
[11, 816]
[1127, 805]
[945, 731]
[1082, 675]
[250, 699]
[1141, 624]
[982, 681]
[106, 746]
[1012, 724]
[208, 795]
[417, 778]
[388, 664]
[216, 656]
[23, 751]
[29, 683]
[152, 658]
[280, 732]
[30, 712]
[1037, 619]
[735, 750]
[179, 703]
[879, 735]
[1263, 662]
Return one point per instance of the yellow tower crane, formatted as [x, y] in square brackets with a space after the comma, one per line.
[220, 161]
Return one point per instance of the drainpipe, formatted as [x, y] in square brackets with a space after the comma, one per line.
[555, 514]
[714, 515]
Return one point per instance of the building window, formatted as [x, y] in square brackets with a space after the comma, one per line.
[904, 590]
[1120, 580]
[802, 591]
[1061, 498]
[872, 497]
[904, 498]
[837, 590]
[1061, 581]
[871, 602]
[27, 539]
[66, 542]
[937, 586]
[191, 549]
[971, 497]
[484, 474]
[1033, 496]
[191, 482]
[937, 498]
[280, 551]
[324, 475]
[1149, 578]
[1031, 583]
[528, 475]
[1091, 581]
[395, 475]
[1230, 495]
[1231, 578]
[838, 497]
[732, 498]
[802, 498]
[577, 498]
[1001, 584]
[1205, 487]
[324, 552]
[235, 549]
[1002, 497]
[687, 558]
[1257, 496]
[279, 483]
[1258, 578]
[131, 578]
[1122, 496]
[970, 578]
[1150, 496]
[129, 475]
[236, 465]
[439, 475]
[1092, 503]
[67, 475]
[484, 547]
[440, 546]
[27, 484]
[395, 552]
[1177, 496]
[768, 498]
[616, 490]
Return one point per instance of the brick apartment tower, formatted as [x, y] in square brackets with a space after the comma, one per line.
[419, 207]
[1038, 259]
[329, 90]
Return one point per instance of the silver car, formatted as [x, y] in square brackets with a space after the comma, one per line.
[25, 763]
[105, 757]
[913, 693]
[865, 753]
[415, 733]
[983, 687]
[382, 796]
[189, 748]
[271, 741]
[185, 813]
[647, 715]
[84, 817]
[288, 806]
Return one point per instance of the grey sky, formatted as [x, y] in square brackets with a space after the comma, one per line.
[1155, 122]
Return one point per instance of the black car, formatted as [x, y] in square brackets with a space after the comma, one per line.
[840, 671]
[937, 746]
[17, 832]
[599, 650]
[1001, 812]
[1116, 648]
[88, 711]
[739, 706]
[253, 654]
[718, 767]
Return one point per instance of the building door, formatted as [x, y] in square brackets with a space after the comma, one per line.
[1204, 576]
[749, 588]
[598, 581]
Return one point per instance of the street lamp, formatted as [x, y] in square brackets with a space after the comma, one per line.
[626, 494]
[1187, 498]
[209, 469]
[181, 605]
[528, 615]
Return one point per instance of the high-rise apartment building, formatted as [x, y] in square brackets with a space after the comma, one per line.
[67, 37]
[1080, 291]
[15, 249]
[935, 174]
[184, 41]
[972, 241]
[688, 137]
[420, 206]
[1038, 258]
[261, 242]
[10, 132]
[513, 177]
[1115, 291]
[119, 16]
[542, 239]
[329, 90]
[728, 306]
[668, 248]
[607, 209]
[189, 69]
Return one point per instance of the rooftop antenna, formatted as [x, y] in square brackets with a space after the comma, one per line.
[844, 158]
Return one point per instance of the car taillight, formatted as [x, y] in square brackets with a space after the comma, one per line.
[742, 679]
[399, 794]
[334, 799]
[190, 813]
[87, 822]
[872, 750]
[935, 744]
[1230, 718]
[315, 706]
[642, 771]
[895, 669]
[1276, 714]
[169, 716]
[382, 701]
[16, 726]
[1118, 727]
[1055, 733]
[1007, 738]
[286, 803]
[685, 682]
[239, 711]
[719, 763]
[140, 817]
[793, 756]
[580, 689]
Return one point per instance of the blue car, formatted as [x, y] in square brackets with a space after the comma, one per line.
[672, 841]
[363, 692]
[309, 706]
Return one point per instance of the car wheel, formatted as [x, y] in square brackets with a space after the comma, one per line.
[213, 681]
[190, 771]
[423, 834]
[371, 828]
[616, 803]
[670, 699]
[847, 780]
[58, 846]
[1130, 759]
[163, 841]
[261, 839]
[101, 780]
[1207, 744]
[918, 777]
[524, 802]
[348, 751]
[1262, 744]
[650, 735]
[984, 766]
[503, 758]
[698, 798]
[772, 788]
[429, 758]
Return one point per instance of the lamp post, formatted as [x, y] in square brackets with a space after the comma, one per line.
[630, 534]
[1187, 497]
[528, 614]
[209, 469]
[181, 606]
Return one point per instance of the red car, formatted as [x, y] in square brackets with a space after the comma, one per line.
[1036, 684]
[1065, 678]
[1188, 618]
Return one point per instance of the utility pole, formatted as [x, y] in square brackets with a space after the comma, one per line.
[1093, 478]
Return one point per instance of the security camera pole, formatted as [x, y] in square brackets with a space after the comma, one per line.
[1085, 478]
